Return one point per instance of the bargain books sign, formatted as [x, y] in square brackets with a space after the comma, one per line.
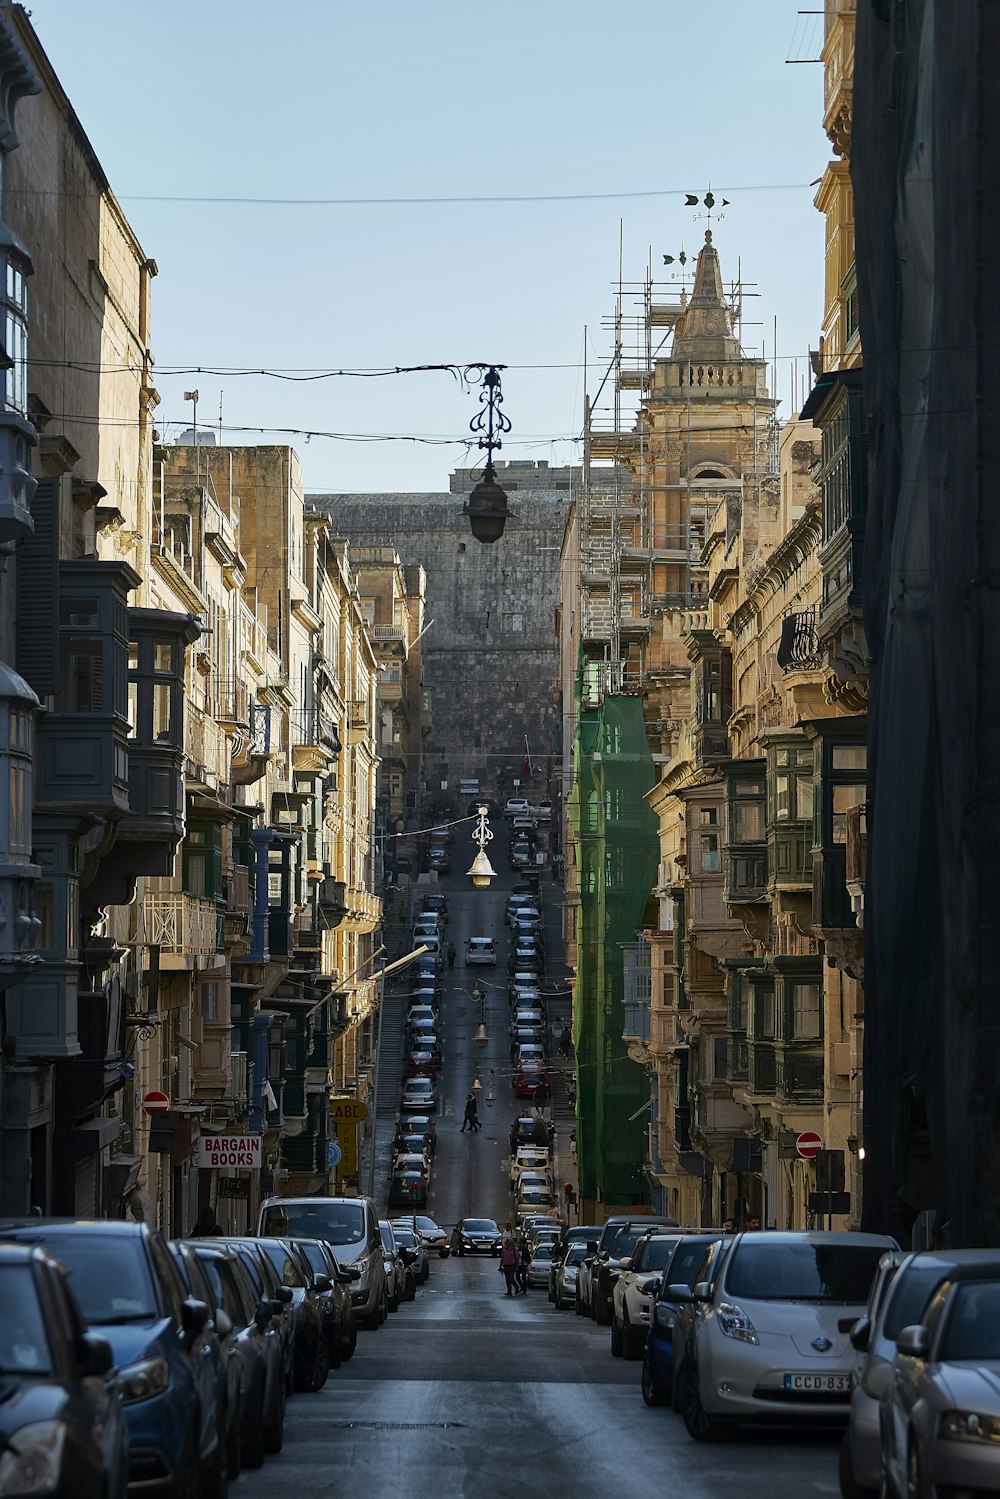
[218, 1152]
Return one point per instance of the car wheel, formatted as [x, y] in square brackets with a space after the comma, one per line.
[701, 1426]
[634, 1339]
[652, 1394]
[373, 1321]
[602, 1312]
[617, 1341]
[274, 1431]
[234, 1456]
[321, 1366]
[350, 1341]
[215, 1478]
[253, 1437]
[915, 1486]
[849, 1489]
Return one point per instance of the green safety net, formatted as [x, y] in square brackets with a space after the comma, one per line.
[617, 849]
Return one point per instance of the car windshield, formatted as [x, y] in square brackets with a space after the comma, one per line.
[657, 1254]
[404, 1236]
[110, 1275]
[336, 1222]
[972, 1332]
[625, 1242]
[909, 1297]
[543, 1252]
[24, 1344]
[419, 1085]
[687, 1261]
[576, 1254]
[386, 1232]
[767, 1271]
[427, 1226]
[285, 1267]
[480, 1226]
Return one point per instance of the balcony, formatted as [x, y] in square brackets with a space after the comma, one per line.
[744, 869]
[790, 854]
[183, 927]
[332, 897]
[832, 905]
[363, 910]
[800, 1076]
[799, 648]
[206, 747]
[763, 1070]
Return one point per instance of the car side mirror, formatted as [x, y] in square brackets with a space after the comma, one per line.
[348, 1273]
[591, 1246]
[860, 1333]
[648, 1285]
[322, 1284]
[194, 1317]
[913, 1342]
[625, 1264]
[94, 1355]
[679, 1293]
[284, 1295]
[266, 1309]
[223, 1324]
[702, 1291]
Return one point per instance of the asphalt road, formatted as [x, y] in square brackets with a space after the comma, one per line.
[464, 1392]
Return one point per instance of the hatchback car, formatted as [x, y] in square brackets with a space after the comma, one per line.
[420, 1256]
[475, 1236]
[130, 1293]
[62, 1429]
[436, 904]
[419, 1094]
[538, 1269]
[533, 1199]
[481, 951]
[596, 1275]
[771, 1338]
[563, 1276]
[340, 1326]
[516, 806]
[395, 1266]
[418, 1124]
[433, 1235]
[940, 1416]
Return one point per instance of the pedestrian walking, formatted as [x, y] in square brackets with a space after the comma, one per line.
[523, 1263]
[509, 1257]
[471, 1115]
[451, 954]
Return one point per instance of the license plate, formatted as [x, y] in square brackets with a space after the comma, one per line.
[832, 1383]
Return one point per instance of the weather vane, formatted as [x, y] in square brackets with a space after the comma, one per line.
[692, 200]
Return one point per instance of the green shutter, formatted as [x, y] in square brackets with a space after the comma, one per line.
[37, 622]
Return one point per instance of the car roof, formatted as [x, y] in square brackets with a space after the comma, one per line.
[822, 1236]
[109, 1227]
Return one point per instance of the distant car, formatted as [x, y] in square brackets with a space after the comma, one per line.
[475, 1236]
[940, 1415]
[531, 1077]
[523, 826]
[544, 810]
[771, 1340]
[517, 903]
[433, 1236]
[526, 916]
[516, 806]
[62, 1429]
[443, 834]
[481, 950]
[418, 1124]
[538, 1270]
[408, 1189]
[437, 905]
[409, 1239]
[533, 1200]
[597, 1271]
[439, 859]
[419, 1094]
[565, 1272]
[530, 1129]
[526, 960]
[521, 853]
[413, 1161]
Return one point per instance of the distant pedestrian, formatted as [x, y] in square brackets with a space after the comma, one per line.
[509, 1257]
[471, 1114]
[206, 1224]
[451, 954]
[752, 1224]
[523, 1265]
[729, 1225]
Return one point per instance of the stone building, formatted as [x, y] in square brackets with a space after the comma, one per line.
[488, 655]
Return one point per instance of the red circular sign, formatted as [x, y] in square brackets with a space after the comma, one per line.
[809, 1144]
[155, 1103]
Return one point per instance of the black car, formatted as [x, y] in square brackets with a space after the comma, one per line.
[62, 1428]
[438, 904]
[309, 1351]
[618, 1238]
[439, 859]
[256, 1339]
[530, 1129]
[340, 1327]
[219, 1349]
[418, 1124]
[130, 1292]
[265, 1291]
[475, 1236]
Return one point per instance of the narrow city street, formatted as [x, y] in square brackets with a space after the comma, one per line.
[464, 1391]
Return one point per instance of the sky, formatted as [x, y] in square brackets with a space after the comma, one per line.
[603, 116]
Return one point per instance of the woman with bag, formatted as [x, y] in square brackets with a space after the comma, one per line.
[509, 1257]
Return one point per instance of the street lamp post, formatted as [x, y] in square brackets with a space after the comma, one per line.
[481, 1034]
[486, 506]
[482, 870]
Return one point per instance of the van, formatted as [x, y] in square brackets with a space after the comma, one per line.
[350, 1226]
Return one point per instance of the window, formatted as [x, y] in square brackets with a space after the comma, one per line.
[762, 1013]
[792, 785]
[711, 858]
[844, 798]
[848, 757]
[708, 816]
[806, 1015]
[746, 822]
[209, 1001]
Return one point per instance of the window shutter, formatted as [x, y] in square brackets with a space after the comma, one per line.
[37, 622]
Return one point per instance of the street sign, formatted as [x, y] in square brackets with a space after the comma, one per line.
[216, 1151]
[829, 1202]
[348, 1110]
[155, 1102]
[333, 1154]
[809, 1145]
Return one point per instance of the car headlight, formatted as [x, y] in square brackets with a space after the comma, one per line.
[735, 1323]
[32, 1462]
[143, 1380]
[969, 1426]
[664, 1317]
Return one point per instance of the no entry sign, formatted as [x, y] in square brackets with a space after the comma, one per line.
[155, 1102]
[809, 1145]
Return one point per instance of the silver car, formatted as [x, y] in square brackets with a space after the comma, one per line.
[565, 1272]
[770, 1339]
[941, 1413]
[900, 1292]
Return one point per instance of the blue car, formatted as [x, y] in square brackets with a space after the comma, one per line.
[131, 1294]
[686, 1267]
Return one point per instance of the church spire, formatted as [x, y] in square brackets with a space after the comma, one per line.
[705, 330]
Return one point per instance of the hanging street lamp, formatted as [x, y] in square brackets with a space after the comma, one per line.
[481, 1034]
[486, 506]
[482, 871]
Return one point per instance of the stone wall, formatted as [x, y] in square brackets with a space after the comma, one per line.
[490, 655]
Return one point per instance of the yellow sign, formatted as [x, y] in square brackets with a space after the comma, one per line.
[347, 1139]
[348, 1110]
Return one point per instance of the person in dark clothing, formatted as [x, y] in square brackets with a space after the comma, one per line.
[524, 1260]
[471, 1115]
[206, 1224]
[451, 954]
[509, 1257]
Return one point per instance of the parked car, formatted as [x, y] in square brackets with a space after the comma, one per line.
[219, 1348]
[257, 1341]
[599, 1268]
[533, 1199]
[56, 1379]
[422, 1059]
[414, 1144]
[580, 1233]
[350, 1226]
[691, 1264]
[418, 1124]
[940, 1414]
[523, 826]
[521, 853]
[563, 1273]
[525, 916]
[632, 1293]
[436, 904]
[525, 960]
[544, 810]
[130, 1293]
[771, 1337]
[419, 1094]
[443, 834]
[481, 951]
[433, 1236]
[310, 1364]
[439, 859]
[408, 1237]
[475, 1236]
[413, 1161]
[517, 903]
[395, 1265]
[516, 806]
[531, 1129]
[340, 1326]
[530, 1078]
[272, 1314]
[407, 1188]
[538, 1270]
[528, 1158]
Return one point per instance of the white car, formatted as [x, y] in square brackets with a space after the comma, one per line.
[632, 1293]
[418, 1095]
[527, 1158]
[770, 1338]
[516, 806]
[481, 950]
[566, 1274]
